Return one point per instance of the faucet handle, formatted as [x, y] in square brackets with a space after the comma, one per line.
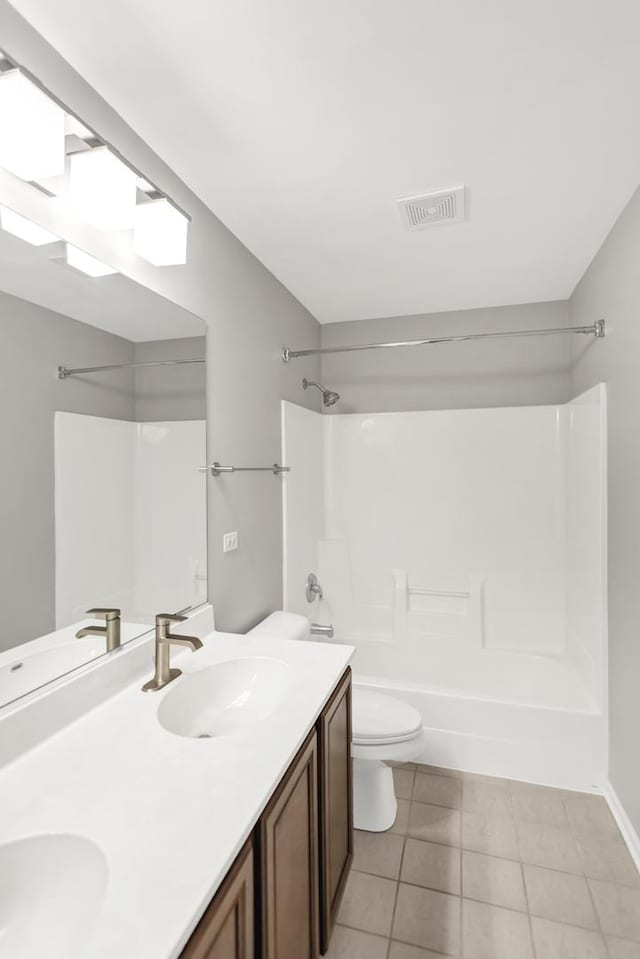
[165, 619]
[108, 613]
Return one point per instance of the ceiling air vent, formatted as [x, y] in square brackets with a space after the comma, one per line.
[446, 206]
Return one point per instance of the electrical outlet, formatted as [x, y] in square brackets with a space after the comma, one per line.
[230, 541]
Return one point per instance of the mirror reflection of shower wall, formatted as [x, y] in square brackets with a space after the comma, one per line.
[101, 503]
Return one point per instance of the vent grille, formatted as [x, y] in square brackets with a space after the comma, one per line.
[446, 206]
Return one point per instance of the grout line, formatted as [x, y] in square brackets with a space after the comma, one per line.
[493, 855]
[395, 900]
[438, 955]
[526, 899]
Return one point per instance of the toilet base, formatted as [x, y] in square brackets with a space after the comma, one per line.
[374, 797]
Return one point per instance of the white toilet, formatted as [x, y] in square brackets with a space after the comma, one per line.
[384, 730]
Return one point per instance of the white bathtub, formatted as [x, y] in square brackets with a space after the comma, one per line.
[497, 712]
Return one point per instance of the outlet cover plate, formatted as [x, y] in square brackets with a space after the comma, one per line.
[230, 541]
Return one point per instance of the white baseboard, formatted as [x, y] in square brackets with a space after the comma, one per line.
[629, 834]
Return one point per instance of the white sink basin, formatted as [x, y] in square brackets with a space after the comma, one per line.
[51, 889]
[225, 699]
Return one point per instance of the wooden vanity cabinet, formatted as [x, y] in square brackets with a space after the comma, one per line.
[281, 897]
[289, 868]
[227, 929]
[335, 804]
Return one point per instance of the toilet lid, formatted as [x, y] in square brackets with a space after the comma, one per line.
[378, 718]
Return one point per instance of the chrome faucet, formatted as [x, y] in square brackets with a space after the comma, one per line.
[314, 589]
[164, 641]
[110, 630]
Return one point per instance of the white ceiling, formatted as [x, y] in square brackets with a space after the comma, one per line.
[300, 121]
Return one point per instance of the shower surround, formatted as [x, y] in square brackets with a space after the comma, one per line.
[463, 553]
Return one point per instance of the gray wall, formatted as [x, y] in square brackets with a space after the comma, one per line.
[611, 289]
[175, 392]
[34, 342]
[509, 372]
[249, 315]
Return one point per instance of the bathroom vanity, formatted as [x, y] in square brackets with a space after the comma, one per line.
[208, 820]
[280, 898]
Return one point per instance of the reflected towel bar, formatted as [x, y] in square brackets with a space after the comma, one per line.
[597, 329]
[64, 372]
[217, 470]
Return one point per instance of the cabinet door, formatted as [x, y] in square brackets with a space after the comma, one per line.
[336, 804]
[289, 862]
[227, 931]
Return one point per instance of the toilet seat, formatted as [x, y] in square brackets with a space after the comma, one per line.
[380, 720]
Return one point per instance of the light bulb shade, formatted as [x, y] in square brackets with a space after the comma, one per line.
[31, 129]
[25, 229]
[160, 233]
[102, 189]
[86, 263]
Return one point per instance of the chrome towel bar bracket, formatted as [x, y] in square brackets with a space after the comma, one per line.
[217, 470]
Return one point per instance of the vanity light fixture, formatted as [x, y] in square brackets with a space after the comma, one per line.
[36, 131]
[160, 233]
[32, 125]
[86, 263]
[25, 229]
[102, 189]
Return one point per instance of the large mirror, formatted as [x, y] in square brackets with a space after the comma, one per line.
[102, 505]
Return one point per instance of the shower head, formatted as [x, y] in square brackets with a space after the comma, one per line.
[329, 397]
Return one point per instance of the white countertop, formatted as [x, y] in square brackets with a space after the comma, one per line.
[169, 813]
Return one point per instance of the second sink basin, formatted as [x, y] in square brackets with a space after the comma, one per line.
[225, 699]
[51, 890]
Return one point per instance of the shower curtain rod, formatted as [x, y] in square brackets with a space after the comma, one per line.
[64, 372]
[596, 329]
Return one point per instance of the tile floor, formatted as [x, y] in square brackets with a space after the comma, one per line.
[486, 868]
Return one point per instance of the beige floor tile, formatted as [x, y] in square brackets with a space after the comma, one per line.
[431, 865]
[543, 845]
[618, 909]
[402, 817]
[428, 919]
[368, 903]
[496, 881]
[378, 853]
[488, 798]
[489, 932]
[400, 950]
[493, 835]
[351, 944]
[622, 948]
[439, 771]
[590, 816]
[560, 896]
[437, 790]
[434, 824]
[403, 781]
[555, 940]
[539, 804]
[607, 859]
